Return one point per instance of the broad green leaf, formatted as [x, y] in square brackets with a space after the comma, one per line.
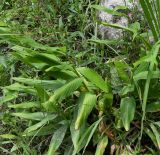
[76, 134]
[20, 88]
[11, 95]
[42, 123]
[46, 130]
[56, 140]
[8, 136]
[32, 56]
[102, 145]
[127, 109]
[26, 55]
[63, 66]
[48, 84]
[62, 92]
[31, 116]
[94, 77]
[91, 133]
[66, 90]
[26, 41]
[49, 59]
[63, 74]
[43, 95]
[24, 105]
[33, 62]
[86, 137]
[86, 103]
[153, 107]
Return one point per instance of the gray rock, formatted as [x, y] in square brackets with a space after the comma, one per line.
[109, 32]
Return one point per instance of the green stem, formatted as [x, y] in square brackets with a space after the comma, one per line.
[85, 85]
[154, 51]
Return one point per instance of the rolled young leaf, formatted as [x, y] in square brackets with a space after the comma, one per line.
[56, 140]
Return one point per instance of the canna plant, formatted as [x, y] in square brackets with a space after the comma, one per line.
[49, 99]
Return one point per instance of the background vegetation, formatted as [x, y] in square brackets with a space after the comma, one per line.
[64, 90]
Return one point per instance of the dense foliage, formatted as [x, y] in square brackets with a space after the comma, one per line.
[64, 90]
